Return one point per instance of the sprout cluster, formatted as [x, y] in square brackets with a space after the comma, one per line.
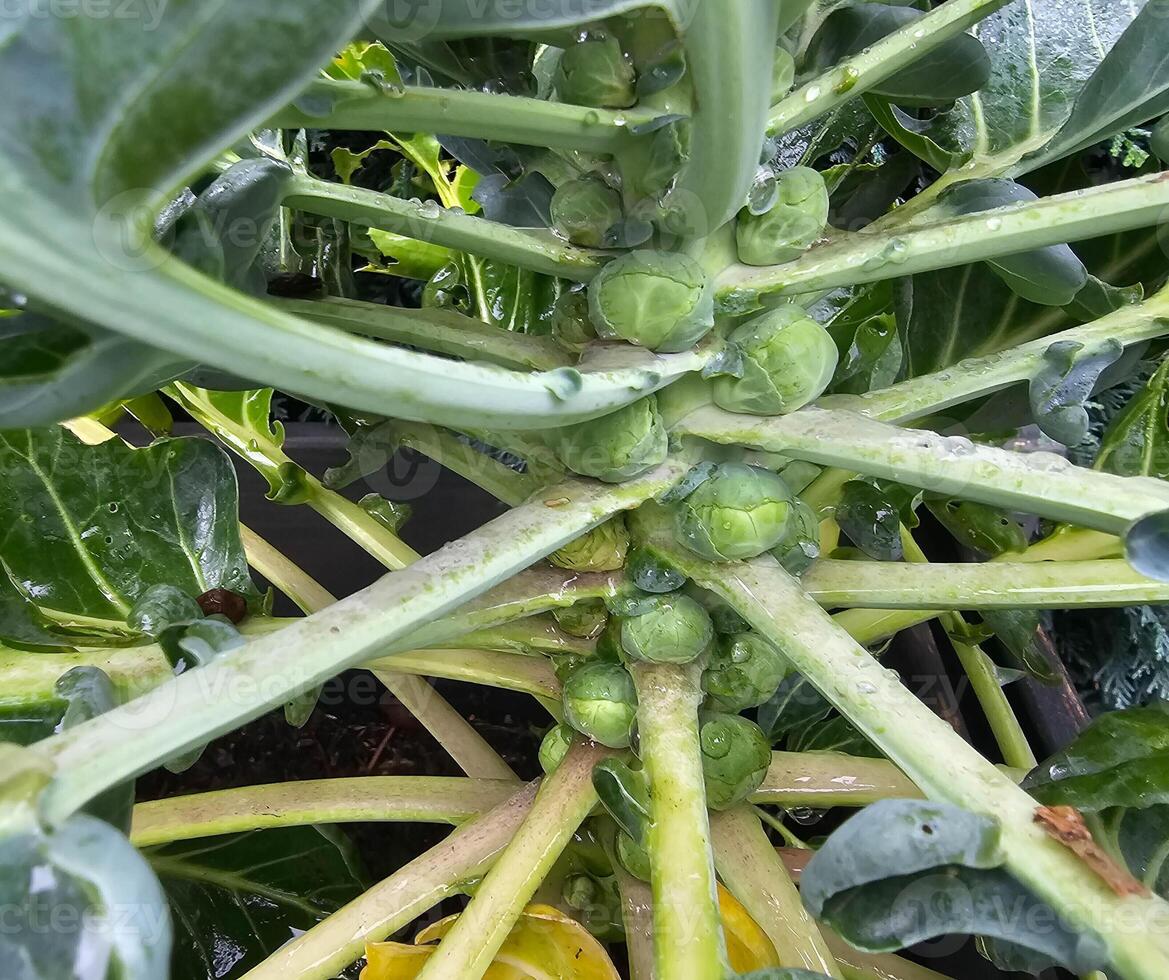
[616, 447]
[735, 759]
[795, 221]
[740, 512]
[600, 702]
[788, 360]
[672, 629]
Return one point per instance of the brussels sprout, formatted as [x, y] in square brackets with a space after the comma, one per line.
[584, 210]
[675, 629]
[632, 856]
[744, 671]
[788, 361]
[586, 619]
[800, 545]
[735, 759]
[740, 512]
[594, 71]
[571, 326]
[617, 447]
[1161, 140]
[797, 220]
[602, 549]
[600, 702]
[555, 747]
[660, 300]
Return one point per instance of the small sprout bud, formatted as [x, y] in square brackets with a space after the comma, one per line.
[595, 71]
[675, 629]
[800, 545]
[660, 300]
[600, 702]
[632, 856]
[602, 549]
[788, 361]
[740, 512]
[735, 759]
[616, 447]
[555, 747]
[584, 210]
[744, 671]
[571, 326]
[796, 221]
[586, 619]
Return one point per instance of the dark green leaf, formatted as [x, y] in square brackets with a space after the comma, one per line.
[871, 514]
[88, 529]
[1018, 631]
[980, 527]
[1137, 441]
[22, 624]
[865, 331]
[160, 607]
[1067, 380]
[624, 794]
[834, 735]
[238, 899]
[795, 706]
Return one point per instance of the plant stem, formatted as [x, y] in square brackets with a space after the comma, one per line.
[862, 257]
[973, 378]
[855, 965]
[334, 944]
[564, 800]
[465, 112]
[1008, 733]
[750, 868]
[683, 882]
[989, 585]
[859, 73]
[242, 684]
[510, 671]
[822, 780]
[1037, 483]
[426, 222]
[637, 917]
[442, 331]
[372, 799]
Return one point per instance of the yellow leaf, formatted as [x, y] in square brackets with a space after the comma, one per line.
[748, 947]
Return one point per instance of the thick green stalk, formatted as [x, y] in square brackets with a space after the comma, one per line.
[945, 767]
[427, 222]
[510, 671]
[240, 685]
[823, 780]
[564, 800]
[465, 112]
[862, 257]
[978, 376]
[1037, 483]
[364, 799]
[750, 868]
[856, 75]
[688, 939]
[443, 871]
[991, 585]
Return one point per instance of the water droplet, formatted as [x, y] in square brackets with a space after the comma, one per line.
[994, 224]
[812, 94]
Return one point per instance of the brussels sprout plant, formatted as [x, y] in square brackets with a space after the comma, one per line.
[774, 330]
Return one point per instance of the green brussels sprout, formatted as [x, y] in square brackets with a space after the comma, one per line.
[616, 447]
[788, 361]
[1161, 140]
[794, 223]
[668, 154]
[783, 75]
[594, 71]
[600, 702]
[744, 671]
[800, 545]
[735, 759]
[740, 512]
[632, 856]
[584, 210]
[555, 747]
[571, 327]
[587, 619]
[602, 549]
[660, 300]
[675, 629]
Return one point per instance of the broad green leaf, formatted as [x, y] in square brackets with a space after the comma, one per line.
[22, 624]
[237, 899]
[1018, 632]
[865, 331]
[796, 705]
[834, 735]
[1065, 382]
[408, 257]
[980, 527]
[871, 514]
[1129, 87]
[88, 529]
[625, 794]
[1137, 441]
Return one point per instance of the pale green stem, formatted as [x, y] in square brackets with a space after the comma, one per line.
[867, 256]
[942, 764]
[859, 73]
[364, 799]
[465, 112]
[984, 681]
[338, 941]
[427, 222]
[242, 684]
[978, 376]
[1037, 483]
[823, 780]
[855, 965]
[683, 879]
[991, 585]
[752, 871]
[442, 331]
[564, 800]
[510, 671]
[637, 913]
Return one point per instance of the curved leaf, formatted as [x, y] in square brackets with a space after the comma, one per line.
[625, 794]
[1137, 441]
[1060, 389]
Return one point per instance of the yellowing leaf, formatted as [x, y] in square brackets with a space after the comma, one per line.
[544, 943]
[748, 948]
